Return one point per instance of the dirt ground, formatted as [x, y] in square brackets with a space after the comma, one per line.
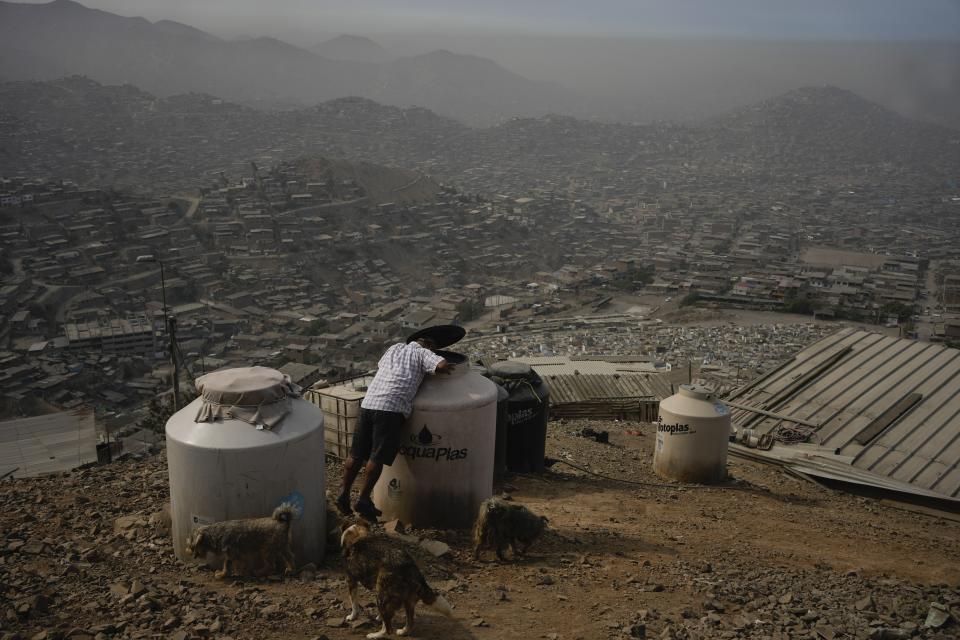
[765, 555]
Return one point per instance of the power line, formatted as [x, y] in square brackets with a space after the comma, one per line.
[659, 485]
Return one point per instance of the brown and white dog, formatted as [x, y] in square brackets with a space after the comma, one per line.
[381, 564]
[248, 545]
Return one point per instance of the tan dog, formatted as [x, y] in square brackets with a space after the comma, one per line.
[381, 564]
[247, 545]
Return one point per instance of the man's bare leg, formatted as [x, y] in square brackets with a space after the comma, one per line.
[364, 504]
[351, 469]
[371, 473]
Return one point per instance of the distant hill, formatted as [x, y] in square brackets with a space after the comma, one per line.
[178, 29]
[476, 87]
[354, 48]
[810, 109]
[121, 135]
[106, 135]
[163, 58]
[62, 38]
[834, 122]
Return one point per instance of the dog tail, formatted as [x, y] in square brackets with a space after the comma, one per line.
[286, 513]
[480, 525]
[440, 605]
[433, 599]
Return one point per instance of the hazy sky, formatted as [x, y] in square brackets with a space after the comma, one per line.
[779, 19]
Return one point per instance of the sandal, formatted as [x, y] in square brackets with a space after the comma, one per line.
[367, 510]
[343, 505]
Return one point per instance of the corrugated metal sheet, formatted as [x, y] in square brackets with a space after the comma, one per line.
[578, 379]
[584, 366]
[567, 388]
[46, 444]
[601, 389]
[860, 389]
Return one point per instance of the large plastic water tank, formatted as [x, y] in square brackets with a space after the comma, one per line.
[528, 409]
[247, 444]
[500, 451]
[693, 430]
[445, 466]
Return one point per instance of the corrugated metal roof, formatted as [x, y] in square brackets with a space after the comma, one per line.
[583, 380]
[567, 388]
[298, 371]
[889, 406]
[583, 365]
[46, 444]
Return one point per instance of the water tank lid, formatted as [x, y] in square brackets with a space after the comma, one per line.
[257, 395]
[442, 335]
[510, 370]
[479, 367]
[697, 391]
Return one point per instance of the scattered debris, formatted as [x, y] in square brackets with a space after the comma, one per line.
[603, 437]
[436, 547]
[937, 616]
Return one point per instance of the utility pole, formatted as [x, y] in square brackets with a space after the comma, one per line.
[172, 332]
[171, 325]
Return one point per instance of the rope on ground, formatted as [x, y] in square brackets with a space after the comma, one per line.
[794, 433]
[661, 485]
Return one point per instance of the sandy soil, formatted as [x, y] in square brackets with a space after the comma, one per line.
[764, 555]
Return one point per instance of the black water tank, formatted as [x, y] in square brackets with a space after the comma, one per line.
[500, 452]
[500, 447]
[528, 408]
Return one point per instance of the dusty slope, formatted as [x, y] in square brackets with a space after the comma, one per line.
[773, 558]
[381, 184]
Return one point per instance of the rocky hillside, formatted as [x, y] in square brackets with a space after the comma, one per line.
[87, 555]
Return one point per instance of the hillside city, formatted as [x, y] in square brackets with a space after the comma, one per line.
[283, 255]
[567, 321]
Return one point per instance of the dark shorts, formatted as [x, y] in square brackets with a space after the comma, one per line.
[377, 436]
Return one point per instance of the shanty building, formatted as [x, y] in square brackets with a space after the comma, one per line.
[118, 335]
[47, 444]
[601, 388]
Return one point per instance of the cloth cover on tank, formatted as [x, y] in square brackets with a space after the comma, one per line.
[256, 395]
[509, 370]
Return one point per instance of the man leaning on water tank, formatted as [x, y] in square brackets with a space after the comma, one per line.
[383, 412]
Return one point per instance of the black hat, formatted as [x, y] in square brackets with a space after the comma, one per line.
[442, 335]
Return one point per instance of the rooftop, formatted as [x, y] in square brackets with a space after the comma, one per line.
[46, 444]
[885, 406]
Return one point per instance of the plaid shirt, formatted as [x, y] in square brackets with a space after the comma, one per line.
[399, 374]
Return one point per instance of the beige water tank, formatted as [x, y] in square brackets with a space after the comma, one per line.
[246, 445]
[693, 430]
[445, 466]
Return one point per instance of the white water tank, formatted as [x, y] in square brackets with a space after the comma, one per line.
[445, 466]
[247, 444]
[693, 430]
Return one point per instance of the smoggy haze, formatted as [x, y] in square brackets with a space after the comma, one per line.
[302, 20]
[611, 59]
